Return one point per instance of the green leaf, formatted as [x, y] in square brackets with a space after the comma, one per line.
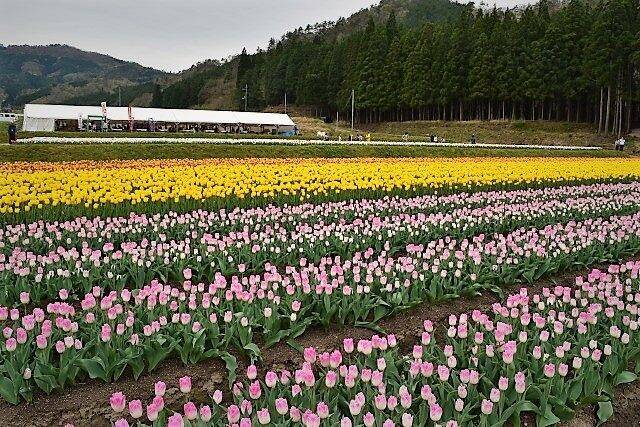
[564, 412]
[274, 339]
[137, 365]
[626, 377]
[232, 365]
[155, 355]
[605, 411]
[371, 326]
[294, 345]
[379, 312]
[548, 419]
[576, 390]
[94, 368]
[7, 391]
[253, 349]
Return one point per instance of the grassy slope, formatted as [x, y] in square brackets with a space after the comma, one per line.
[495, 132]
[492, 132]
[543, 133]
[4, 137]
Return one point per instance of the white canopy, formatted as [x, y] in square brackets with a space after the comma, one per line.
[43, 116]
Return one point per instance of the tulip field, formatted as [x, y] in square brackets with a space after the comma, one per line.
[111, 270]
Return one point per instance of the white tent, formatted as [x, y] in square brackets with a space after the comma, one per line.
[42, 117]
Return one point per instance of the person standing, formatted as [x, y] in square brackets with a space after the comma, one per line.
[13, 133]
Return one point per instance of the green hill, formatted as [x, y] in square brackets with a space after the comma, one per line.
[60, 73]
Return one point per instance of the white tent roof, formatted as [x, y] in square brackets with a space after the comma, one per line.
[72, 112]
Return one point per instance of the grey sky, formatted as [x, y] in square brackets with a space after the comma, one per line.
[168, 34]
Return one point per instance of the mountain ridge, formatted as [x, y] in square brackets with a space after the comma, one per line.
[56, 72]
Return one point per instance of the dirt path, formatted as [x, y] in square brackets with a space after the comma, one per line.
[86, 404]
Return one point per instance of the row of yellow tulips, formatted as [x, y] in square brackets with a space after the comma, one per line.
[26, 187]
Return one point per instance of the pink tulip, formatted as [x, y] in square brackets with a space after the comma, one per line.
[486, 407]
[233, 414]
[281, 406]
[205, 413]
[263, 416]
[160, 388]
[135, 408]
[435, 412]
[175, 421]
[252, 372]
[185, 384]
[407, 419]
[190, 411]
[310, 355]
[322, 410]
[152, 412]
[368, 419]
[348, 345]
[118, 401]
[549, 370]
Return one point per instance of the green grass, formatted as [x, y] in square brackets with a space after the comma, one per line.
[72, 152]
[4, 136]
[539, 132]
[501, 132]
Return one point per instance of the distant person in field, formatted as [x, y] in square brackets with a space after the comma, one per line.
[405, 137]
[13, 132]
[473, 139]
[621, 143]
[431, 136]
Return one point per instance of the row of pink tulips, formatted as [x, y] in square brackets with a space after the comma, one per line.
[544, 354]
[43, 236]
[136, 329]
[135, 263]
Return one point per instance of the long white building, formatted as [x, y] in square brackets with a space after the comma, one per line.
[51, 118]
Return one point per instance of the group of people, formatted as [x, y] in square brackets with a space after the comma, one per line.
[620, 144]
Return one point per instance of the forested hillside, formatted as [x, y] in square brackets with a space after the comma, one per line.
[59, 74]
[213, 84]
[577, 61]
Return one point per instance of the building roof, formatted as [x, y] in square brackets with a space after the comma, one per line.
[72, 112]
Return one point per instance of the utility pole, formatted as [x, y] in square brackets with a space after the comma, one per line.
[353, 107]
[285, 102]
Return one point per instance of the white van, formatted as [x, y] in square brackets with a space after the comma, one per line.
[7, 117]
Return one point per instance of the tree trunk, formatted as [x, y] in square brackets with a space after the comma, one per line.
[606, 122]
[600, 122]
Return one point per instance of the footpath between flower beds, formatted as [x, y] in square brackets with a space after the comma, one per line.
[87, 404]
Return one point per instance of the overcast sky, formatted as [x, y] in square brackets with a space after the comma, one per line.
[168, 34]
